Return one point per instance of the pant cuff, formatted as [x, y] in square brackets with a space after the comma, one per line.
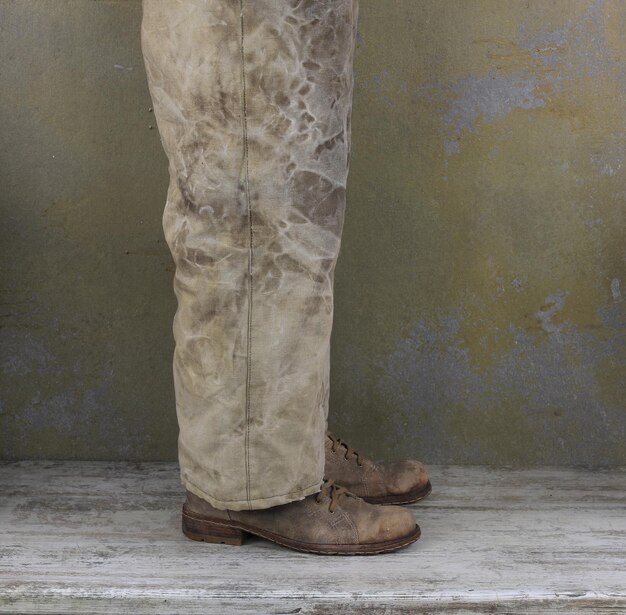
[254, 504]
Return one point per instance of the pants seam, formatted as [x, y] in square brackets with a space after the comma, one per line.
[250, 286]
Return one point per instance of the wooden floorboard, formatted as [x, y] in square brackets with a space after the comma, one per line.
[83, 537]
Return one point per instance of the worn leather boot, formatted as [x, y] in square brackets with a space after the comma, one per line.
[332, 522]
[401, 482]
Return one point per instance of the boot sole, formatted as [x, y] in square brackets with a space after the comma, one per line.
[218, 531]
[410, 497]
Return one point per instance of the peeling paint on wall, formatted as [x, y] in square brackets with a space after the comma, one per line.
[489, 98]
[534, 390]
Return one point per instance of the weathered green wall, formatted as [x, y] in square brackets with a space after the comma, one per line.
[480, 311]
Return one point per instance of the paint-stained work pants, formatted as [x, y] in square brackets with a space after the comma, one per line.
[253, 101]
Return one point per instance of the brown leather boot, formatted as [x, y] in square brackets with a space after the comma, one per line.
[402, 482]
[331, 522]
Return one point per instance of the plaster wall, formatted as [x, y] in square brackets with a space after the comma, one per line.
[480, 300]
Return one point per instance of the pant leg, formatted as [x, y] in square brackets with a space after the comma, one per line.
[253, 101]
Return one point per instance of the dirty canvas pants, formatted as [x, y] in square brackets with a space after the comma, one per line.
[253, 102]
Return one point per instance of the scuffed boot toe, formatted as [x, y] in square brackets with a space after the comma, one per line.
[388, 523]
[403, 477]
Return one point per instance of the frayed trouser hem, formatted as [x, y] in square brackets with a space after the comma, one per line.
[253, 504]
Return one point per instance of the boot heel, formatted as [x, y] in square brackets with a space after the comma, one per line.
[207, 531]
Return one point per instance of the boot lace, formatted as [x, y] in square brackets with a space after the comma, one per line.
[334, 492]
[337, 442]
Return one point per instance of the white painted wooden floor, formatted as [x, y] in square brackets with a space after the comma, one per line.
[105, 538]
